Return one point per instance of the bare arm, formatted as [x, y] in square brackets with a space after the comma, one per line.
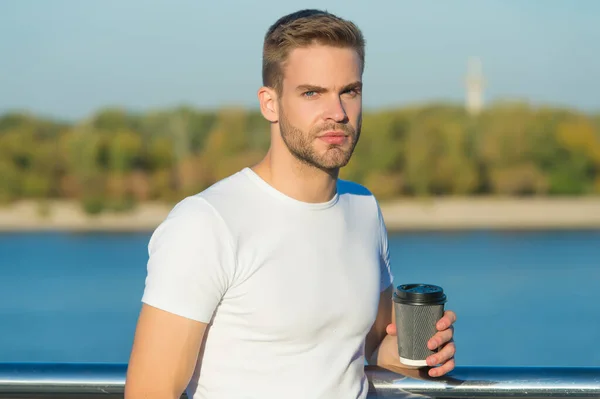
[381, 348]
[164, 354]
[378, 330]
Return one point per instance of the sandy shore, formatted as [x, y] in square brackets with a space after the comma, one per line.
[493, 213]
[409, 215]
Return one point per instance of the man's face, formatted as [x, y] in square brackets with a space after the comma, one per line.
[320, 107]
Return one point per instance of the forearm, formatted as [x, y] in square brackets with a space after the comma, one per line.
[372, 346]
[378, 333]
[379, 350]
[379, 355]
[371, 357]
[386, 354]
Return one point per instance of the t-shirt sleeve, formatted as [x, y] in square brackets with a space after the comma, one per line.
[191, 261]
[384, 264]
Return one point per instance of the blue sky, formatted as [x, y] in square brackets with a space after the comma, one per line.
[68, 58]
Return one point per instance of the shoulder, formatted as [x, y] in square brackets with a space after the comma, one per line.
[191, 210]
[191, 260]
[362, 199]
[347, 187]
[358, 195]
[191, 220]
[198, 216]
[213, 210]
[208, 205]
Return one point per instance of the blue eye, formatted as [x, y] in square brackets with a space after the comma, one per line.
[308, 93]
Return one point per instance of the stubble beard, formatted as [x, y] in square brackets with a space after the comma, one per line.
[300, 144]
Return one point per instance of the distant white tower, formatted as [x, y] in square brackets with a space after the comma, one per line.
[474, 100]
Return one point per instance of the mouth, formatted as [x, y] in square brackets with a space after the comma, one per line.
[334, 137]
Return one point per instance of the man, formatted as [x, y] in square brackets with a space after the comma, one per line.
[275, 282]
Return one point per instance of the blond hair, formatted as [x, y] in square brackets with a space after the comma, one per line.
[301, 29]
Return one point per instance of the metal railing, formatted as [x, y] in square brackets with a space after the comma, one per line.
[85, 380]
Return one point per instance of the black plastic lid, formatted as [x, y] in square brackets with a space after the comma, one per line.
[419, 294]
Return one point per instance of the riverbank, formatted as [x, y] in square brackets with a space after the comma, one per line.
[493, 213]
[400, 215]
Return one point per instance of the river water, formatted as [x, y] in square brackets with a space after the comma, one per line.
[522, 298]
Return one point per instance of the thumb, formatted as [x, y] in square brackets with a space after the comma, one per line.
[391, 329]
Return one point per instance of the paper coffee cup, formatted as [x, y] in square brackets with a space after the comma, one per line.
[418, 308]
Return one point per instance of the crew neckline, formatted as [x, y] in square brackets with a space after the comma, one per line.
[252, 175]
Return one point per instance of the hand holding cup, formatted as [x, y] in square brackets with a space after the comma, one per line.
[424, 330]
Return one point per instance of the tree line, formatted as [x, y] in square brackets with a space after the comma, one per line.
[116, 159]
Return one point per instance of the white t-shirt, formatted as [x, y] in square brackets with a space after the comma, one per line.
[290, 289]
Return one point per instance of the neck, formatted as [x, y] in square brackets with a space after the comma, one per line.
[296, 179]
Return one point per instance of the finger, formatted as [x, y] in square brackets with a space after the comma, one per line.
[391, 329]
[443, 369]
[440, 338]
[447, 320]
[447, 353]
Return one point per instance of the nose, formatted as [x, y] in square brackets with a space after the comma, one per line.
[335, 110]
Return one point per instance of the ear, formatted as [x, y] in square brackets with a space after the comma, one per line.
[267, 99]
